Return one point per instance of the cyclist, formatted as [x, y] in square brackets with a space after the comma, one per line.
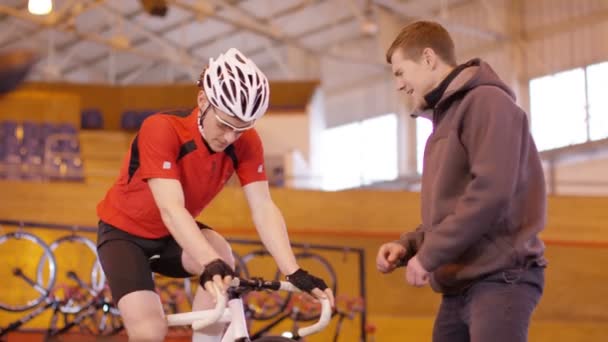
[178, 162]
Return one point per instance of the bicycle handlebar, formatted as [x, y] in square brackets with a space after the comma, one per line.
[203, 318]
[215, 313]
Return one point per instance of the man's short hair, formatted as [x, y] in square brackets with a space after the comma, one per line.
[417, 36]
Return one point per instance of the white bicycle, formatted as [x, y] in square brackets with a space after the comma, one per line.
[234, 315]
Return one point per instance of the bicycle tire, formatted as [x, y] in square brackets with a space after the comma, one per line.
[52, 270]
[263, 315]
[240, 268]
[173, 296]
[98, 278]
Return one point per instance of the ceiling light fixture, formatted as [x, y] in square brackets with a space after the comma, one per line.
[40, 7]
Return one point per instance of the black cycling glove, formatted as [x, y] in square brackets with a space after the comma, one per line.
[215, 267]
[305, 281]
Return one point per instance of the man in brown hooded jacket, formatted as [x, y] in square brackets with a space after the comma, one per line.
[483, 199]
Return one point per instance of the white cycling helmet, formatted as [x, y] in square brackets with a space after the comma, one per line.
[235, 85]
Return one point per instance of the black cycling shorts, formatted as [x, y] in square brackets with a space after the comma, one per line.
[128, 260]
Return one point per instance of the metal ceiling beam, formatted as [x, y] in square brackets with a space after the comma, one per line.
[356, 37]
[261, 28]
[304, 34]
[4, 16]
[547, 31]
[285, 12]
[251, 25]
[134, 43]
[60, 17]
[141, 40]
[356, 11]
[322, 51]
[411, 13]
[593, 18]
[133, 74]
[295, 8]
[280, 14]
[191, 49]
[206, 42]
[101, 29]
[74, 44]
[171, 49]
[113, 44]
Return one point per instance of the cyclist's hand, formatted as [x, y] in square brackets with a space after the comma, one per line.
[311, 284]
[390, 256]
[217, 273]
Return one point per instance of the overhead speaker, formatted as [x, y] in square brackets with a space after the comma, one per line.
[157, 8]
[14, 68]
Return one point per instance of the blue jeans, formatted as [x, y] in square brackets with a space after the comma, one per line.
[496, 308]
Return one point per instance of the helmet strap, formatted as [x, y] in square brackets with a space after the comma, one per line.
[201, 117]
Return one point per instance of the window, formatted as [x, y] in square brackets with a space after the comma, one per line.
[597, 82]
[557, 105]
[340, 158]
[424, 128]
[359, 153]
[570, 107]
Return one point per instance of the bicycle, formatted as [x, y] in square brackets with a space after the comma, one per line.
[230, 309]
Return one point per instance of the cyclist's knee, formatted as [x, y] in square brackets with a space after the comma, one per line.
[221, 245]
[143, 316]
[147, 331]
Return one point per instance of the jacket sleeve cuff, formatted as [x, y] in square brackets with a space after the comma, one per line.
[428, 262]
[412, 242]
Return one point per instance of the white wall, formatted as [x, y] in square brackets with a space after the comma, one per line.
[286, 139]
[283, 132]
[589, 178]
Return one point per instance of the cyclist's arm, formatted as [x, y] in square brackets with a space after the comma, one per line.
[169, 197]
[270, 225]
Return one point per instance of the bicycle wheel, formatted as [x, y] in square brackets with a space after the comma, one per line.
[240, 267]
[262, 306]
[13, 246]
[76, 245]
[173, 295]
[320, 267]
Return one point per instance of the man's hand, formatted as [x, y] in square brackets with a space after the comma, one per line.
[216, 273]
[389, 256]
[415, 274]
[312, 285]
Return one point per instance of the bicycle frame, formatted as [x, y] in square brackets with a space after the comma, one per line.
[234, 314]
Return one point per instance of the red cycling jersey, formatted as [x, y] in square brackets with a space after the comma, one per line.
[169, 145]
